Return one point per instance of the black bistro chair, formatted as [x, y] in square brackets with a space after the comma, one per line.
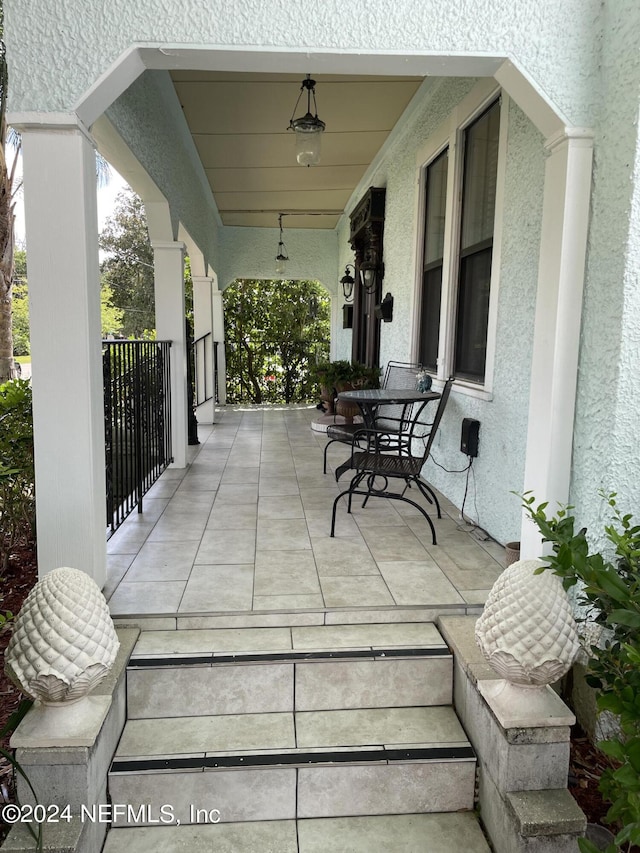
[404, 462]
[399, 374]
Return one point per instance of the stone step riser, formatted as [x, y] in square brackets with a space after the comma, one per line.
[277, 793]
[436, 833]
[284, 685]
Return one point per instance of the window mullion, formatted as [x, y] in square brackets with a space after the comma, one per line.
[496, 261]
[451, 257]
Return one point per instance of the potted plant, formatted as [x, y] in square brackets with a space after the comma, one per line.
[359, 376]
[327, 374]
[609, 595]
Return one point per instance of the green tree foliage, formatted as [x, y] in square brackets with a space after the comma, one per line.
[20, 266]
[8, 188]
[275, 331]
[127, 269]
[20, 306]
[188, 289]
[20, 320]
[17, 495]
[111, 318]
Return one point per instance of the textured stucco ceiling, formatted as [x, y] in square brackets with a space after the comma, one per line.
[239, 126]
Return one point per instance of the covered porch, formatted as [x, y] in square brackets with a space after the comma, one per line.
[523, 388]
[241, 537]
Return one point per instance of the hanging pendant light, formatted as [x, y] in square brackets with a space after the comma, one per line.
[308, 127]
[282, 257]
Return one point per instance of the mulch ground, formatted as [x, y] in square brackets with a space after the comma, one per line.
[15, 584]
[586, 765]
[586, 762]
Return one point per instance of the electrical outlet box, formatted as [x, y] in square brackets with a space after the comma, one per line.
[469, 439]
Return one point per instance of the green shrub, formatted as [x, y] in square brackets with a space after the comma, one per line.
[17, 492]
[331, 374]
[609, 590]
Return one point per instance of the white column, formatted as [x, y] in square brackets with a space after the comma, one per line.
[168, 263]
[218, 335]
[203, 325]
[565, 217]
[64, 305]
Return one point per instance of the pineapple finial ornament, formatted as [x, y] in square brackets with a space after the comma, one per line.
[527, 631]
[528, 635]
[63, 642]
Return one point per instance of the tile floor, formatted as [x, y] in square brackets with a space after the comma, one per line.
[245, 529]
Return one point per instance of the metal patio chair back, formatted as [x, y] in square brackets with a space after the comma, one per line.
[379, 463]
[398, 374]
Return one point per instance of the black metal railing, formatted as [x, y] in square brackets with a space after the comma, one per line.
[137, 419]
[205, 351]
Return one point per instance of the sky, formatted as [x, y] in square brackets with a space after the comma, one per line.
[106, 201]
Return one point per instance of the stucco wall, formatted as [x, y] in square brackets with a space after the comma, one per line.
[606, 452]
[149, 119]
[251, 252]
[57, 49]
[499, 467]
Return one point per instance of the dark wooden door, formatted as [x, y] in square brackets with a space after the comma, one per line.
[365, 344]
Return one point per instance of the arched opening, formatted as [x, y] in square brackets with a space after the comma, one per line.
[276, 331]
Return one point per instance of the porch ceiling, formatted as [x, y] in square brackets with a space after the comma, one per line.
[239, 122]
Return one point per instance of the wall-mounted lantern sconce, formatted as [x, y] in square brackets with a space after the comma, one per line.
[308, 127]
[347, 281]
[371, 271]
[282, 257]
[384, 311]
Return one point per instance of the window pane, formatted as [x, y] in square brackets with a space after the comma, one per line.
[476, 244]
[473, 315]
[430, 320]
[479, 181]
[436, 198]
[435, 204]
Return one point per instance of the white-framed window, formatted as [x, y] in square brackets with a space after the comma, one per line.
[435, 193]
[460, 211]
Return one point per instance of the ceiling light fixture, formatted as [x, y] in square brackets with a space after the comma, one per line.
[308, 127]
[282, 257]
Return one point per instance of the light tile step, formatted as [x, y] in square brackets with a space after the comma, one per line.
[308, 764]
[227, 641]
[411, 833]
[288, 618]
[307, 681]
[242, 671]
[227, 736]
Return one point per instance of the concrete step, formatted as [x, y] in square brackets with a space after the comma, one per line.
[204, 672]
[298, 764]
[282, 618]
[410, 833]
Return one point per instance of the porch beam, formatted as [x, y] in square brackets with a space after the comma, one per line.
[168, 263]
[563, 244]
[64, 306]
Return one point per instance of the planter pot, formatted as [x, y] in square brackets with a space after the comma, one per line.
[347, 410]
[599, 835]
[326, 395]
[512, 552]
